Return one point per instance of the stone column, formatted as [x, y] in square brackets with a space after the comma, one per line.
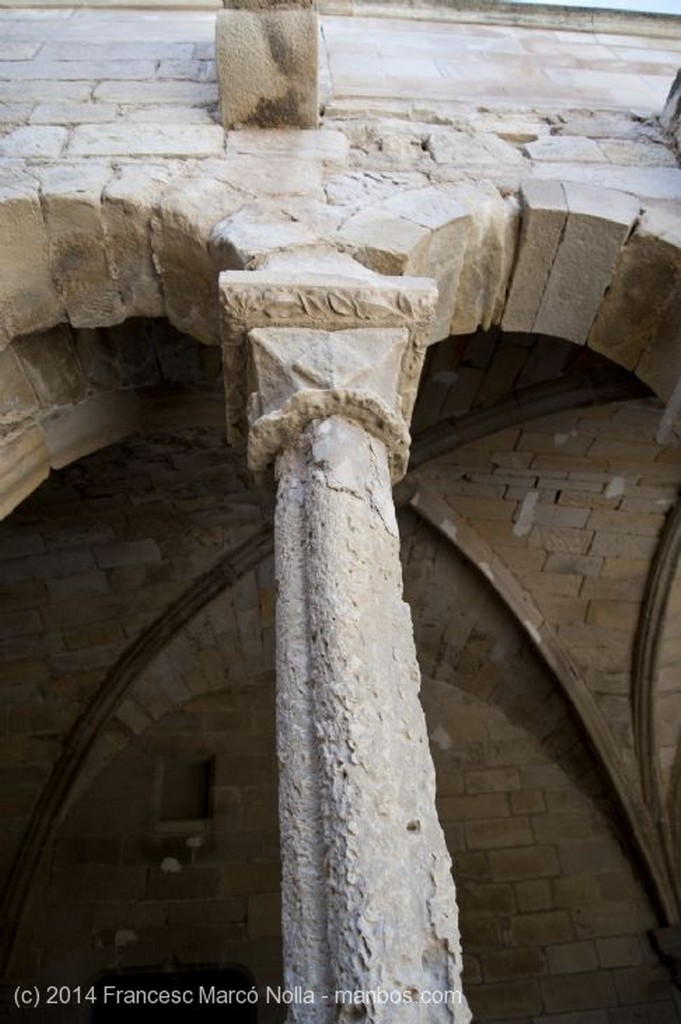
[369, 911]
[267, 63]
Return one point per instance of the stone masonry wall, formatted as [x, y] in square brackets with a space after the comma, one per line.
[553, 913]
[574, 504]
[554, 916]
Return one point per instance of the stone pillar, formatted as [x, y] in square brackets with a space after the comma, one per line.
[267, 63]
[369, 911]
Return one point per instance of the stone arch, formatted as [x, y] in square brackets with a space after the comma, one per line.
[579, 262]
[473, 649]
[527, 614]
[122, 707]
[72, 391]
[98, 246]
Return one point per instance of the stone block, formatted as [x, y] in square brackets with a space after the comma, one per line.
[488, 258]
[524, 863]
[534, 894]
[565, 147]
[492, 780]
[619, 615]
[619, 951]
[506, 1000]
[502, 832]
[597, 225]
[464, 808]
[74, 432]
[511, 963]
[49, 362]
[45, 142]
[542, 929]
[155, 140]
[464, 149]
[142, 93]
[324, 145]
[528, 801]
[670, 118]
[481, 898]
[127, 203]
[543, 215]
[17, 397]
[57, 564]
[181, 224]
[73, 113]
[638, 311]
[94, 635]
[572, 957]
[28, 300]
[78, 255]
[637, 523]
[643, 983]
[623, 546]
[650, 1013]
[24, 464]
[584, 991]
[21, 622]
[267, 67]
[385, 242]
[60, 71]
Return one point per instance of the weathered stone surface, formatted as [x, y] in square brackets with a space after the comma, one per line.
[180, 228]
[127, 202]
[147, 140]
[72, 207]
[671, 115]
[267, 67]
[565, 147]
[17, 397]
[44, 142]
[28, 300]
[544, 211]
[463, 149]
[645, 182]
[384, 241]
[488, 258]
[598, 222]
[302, 375]
[72, 433]
[352, 805]
[237, 242]
[277, 175]
[50, 363]
[24, 464]
[640, 308]
[73, 113]
[265, 299]
[324, 144]
[448, 219]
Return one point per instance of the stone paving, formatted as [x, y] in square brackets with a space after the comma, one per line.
[556, 104]
[71, 66]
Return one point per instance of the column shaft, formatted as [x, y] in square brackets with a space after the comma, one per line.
[368, 899]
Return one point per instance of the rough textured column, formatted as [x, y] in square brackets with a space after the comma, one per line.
[369, 910]
[267, 63]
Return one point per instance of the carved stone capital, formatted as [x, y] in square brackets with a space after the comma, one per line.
[322, 346]
[300, 375]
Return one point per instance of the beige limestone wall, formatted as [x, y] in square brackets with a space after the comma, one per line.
[124, 888]
[554, 915]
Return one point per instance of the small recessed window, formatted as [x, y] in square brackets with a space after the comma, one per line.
[183, 794]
